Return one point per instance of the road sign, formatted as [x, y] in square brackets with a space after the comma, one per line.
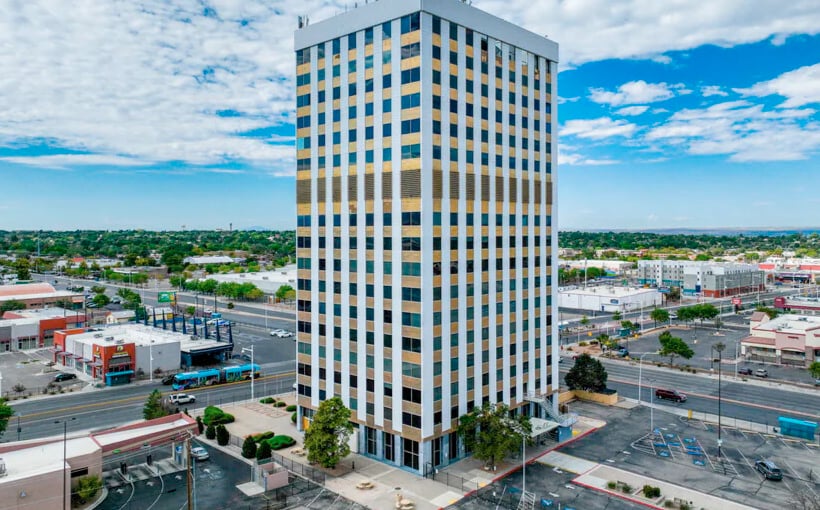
[736, 301]
[166, 297]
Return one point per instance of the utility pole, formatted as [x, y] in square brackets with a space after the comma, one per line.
[719, 347]
[190, 474]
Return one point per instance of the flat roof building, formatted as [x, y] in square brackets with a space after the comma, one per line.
[267, 281]
[608, 298]
[787, 339]
[706, 278]
[425, 227]
[39, 295]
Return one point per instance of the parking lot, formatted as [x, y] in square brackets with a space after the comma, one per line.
[702, 340]
[28, 374]
[684, 452]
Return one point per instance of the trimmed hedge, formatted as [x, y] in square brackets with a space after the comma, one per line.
[216, 416]
[281, 404]
[267, 400]
[290, 408]
[279, 442]
[263, 436]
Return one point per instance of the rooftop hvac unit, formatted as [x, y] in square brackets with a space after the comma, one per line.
[109, 338]
[98, 335]
[120, 341]
[194, 337]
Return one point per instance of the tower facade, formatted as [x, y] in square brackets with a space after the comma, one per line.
[425, 208]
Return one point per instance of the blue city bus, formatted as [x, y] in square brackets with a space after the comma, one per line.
[240, 373]
[187, 380]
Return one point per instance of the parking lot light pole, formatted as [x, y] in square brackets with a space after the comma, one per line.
[719, 348]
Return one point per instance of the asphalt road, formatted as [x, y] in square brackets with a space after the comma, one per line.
[100, 409]
[757, 402]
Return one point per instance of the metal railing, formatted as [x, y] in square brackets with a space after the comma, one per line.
[454, 481]
[564, 420]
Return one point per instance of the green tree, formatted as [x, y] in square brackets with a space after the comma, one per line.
[210, 431]
[586, 374]
[223, 437]
[11, 305]
[814, 369]
[190, 310]
[585, 321]
[98, 289]
[264, 451]
[101, 300]
[491, 433]
[659, 315]
[249, 448]
[327, 437]
[629, 325]
[674, 346]
[282, 292]
[617, 316]
[23, 270]
[6, 412]
[153, 407]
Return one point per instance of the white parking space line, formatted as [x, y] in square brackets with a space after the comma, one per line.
[748, 463]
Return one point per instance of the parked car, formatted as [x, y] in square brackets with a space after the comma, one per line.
[744, 371]
[281, 333]
[769, 470]
[63, 376]
[761, 372]
[672, 395]
[817, 382]
[181, 398]
[200, 453]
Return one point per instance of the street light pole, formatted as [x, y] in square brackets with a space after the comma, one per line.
[719, 348]
[640, 374]
[65, 453]
[253, 368]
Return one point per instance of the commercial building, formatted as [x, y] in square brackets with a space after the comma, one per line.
[610, 266]
[43, 473]
[267, 281]
[786, 339]
[709, 279]
[608, 299]
[116, 354]
[425, 222]
[212, 259]
[805, 305]
[39, 295]
[34, 328]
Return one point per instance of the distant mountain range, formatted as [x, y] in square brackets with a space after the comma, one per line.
[762, 232]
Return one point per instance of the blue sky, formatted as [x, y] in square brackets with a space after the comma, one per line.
[163, 114]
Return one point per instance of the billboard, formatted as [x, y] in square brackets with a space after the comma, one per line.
[166, 297]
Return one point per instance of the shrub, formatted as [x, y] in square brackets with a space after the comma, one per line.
[611, 485]
[668, 503]
[216, 416]
[279, 442]
[293, 417]
[684, 506]
[87, 488]
[263, 436]
[199, 425]
[249, 448]
[264, 451]
[223, 437]
[593, 342]
[268, 400]
[290, 408]
[210, 432]
[651, 492]
[281, 404]
[626, 488]
[582, 344]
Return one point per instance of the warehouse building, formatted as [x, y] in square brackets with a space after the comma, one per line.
[608, 299]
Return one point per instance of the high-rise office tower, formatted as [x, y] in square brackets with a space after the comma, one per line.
[425, 206]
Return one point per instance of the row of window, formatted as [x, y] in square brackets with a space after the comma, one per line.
[414, 218]
[414, 243]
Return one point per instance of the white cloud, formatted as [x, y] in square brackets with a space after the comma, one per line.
[799, 87]
[164, 80]
[632, 110]
[741, 130]
[597, 129]
[635, 92]
[712, 90]
[648, 28]
[67, 161]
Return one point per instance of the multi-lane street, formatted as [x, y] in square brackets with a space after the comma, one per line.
[760, 402]
[98, 409]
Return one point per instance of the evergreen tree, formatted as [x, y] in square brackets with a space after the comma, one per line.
[153, 406]
[264, 451]
[223, 437]
[249, 448]
[588, 374]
